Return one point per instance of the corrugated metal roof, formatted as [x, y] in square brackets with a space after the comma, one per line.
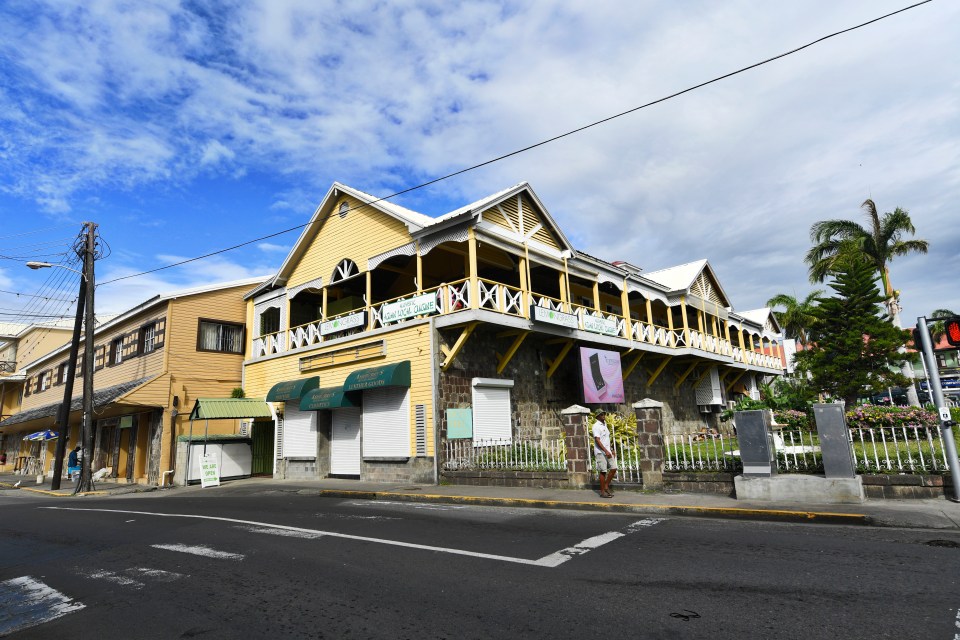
[229, 408]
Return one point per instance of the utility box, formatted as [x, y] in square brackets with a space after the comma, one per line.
[757, 451]
[834, 441]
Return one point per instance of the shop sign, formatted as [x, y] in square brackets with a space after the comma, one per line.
[606, 326]
[350, 321]
[415, 306]
[542, 314]
[209, 471]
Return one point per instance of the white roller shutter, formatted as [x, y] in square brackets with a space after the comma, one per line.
[386, 423]
[491, 409]
[299, 434]
[345, 443]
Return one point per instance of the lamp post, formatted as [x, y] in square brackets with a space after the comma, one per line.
[84, 314]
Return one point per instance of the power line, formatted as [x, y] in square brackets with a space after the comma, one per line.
[543, 142]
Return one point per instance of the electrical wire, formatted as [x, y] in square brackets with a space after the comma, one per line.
[536, 144]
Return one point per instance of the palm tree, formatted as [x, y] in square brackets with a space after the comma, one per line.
[880, 242]
[796, 317]
[937, 327]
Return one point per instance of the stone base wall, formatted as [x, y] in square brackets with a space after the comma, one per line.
[529, 479]
[297, 469]
[415, 470]
[907, 486]
[713, 483]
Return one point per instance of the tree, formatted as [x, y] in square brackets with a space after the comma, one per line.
[797, 316]
[937, 328]
[879, 243]
[854, 347]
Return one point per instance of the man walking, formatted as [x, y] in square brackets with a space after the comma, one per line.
[603, 452]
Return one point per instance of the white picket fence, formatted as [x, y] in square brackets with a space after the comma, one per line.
[504, 455]
[907, 449]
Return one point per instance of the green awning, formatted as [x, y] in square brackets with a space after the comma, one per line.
[292, 389]
[328, 398]
[229, 408]
[387, 375]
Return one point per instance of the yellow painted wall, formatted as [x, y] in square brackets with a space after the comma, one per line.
[364, 233]
[405, 343]
[38, 342]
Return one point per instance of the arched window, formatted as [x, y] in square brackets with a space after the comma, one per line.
[344, 208]
[344, 270]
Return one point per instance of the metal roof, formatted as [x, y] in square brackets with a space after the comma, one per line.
[229, 408]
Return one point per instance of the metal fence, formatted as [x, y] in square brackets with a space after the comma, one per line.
[504, 455]
[907, 449]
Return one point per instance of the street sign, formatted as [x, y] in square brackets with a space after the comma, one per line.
[209, 471]
[945, 413]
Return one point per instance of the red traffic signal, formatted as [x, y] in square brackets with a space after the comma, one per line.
[951, 328]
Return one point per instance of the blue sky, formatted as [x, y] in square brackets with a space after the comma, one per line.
[185, 127]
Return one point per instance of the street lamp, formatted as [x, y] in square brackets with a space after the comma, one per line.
[84, 310]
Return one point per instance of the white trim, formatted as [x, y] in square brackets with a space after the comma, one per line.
[492, 382]
[408, 249]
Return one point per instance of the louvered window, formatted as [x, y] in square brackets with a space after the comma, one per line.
[420, 417]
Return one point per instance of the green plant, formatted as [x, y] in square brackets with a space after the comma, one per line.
[238, 392]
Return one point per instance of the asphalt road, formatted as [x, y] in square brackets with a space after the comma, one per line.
[270, 564]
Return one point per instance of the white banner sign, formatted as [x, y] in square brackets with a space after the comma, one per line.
[415, 306]
[605, 326]
[542, 314]
[209, 471]
[343, 323]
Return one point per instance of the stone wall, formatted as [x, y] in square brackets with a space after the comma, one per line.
[907, 486]
[536, 400]
[415, 470]
[531, 479]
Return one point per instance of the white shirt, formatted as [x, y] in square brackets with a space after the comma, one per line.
[601, 432]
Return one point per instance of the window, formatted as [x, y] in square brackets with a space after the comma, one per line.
[345, 270]
[46, 379]
[148, 338]
[116, 351]
[344, 208]
[28, 387]
[270, 321]
[61, 373]
[491, 410]
[222, 337]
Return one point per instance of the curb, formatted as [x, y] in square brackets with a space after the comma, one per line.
[774, 515]
[54, 494]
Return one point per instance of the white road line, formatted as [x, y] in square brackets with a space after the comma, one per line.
[157, 574]
[411, 505]
[127, 578]
[200, 550]
[646, 522]
[110, 576]
[26, 602]
[551, 560]
[282, 532]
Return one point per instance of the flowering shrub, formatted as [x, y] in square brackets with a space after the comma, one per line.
[869, 416]
[794, 420]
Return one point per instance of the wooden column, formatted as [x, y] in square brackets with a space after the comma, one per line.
[474, 282]
[369, 299]
[323, 307]
[625, 309]
[672, 340]
[524, 288]
[649, 307]
[686, 325]
[596, 295]
[419, 269]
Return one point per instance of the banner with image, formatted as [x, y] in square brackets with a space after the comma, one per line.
[602, 376]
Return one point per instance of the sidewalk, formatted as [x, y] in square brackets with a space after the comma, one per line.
[9, 481]
[920, 514]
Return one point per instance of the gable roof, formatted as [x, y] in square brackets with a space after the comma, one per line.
[761, 317]
[684, 277]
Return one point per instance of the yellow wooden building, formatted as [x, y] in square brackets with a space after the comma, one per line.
[151, 363]
[388, 334]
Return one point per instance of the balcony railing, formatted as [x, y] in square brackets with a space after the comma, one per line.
[7, 367]
[457, 296]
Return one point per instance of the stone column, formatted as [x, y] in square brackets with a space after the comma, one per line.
[578, 447]
[650, 441]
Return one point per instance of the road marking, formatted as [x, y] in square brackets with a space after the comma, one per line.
[550, 561]
[110, 576]
[282, 532]
[411, 505]
[199, 550]
[646, 522]
[157, 574]
[124, 578]
[26, 603]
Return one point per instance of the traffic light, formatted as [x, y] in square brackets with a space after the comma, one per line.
[951, 328]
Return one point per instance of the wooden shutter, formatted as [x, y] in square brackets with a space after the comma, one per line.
[420, 421]
[386, 423]
[161, 330]
[99, 358]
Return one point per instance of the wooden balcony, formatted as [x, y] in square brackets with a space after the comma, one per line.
[458, 297]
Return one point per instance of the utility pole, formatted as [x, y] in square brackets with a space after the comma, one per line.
[86, 477]
[63, 417]
[946, 424]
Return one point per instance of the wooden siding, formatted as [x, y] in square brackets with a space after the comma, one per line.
[412, 343]
[510, 215]
[364, 233]
[39, 342]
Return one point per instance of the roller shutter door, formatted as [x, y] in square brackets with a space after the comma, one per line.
[386, 423]
[299, 434]
[345, 443]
